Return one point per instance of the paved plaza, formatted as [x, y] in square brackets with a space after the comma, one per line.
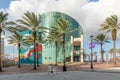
[70, 75]
[100, 72]
[46, 68]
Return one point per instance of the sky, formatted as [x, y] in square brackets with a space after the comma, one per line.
[88, 13]
[4, 3]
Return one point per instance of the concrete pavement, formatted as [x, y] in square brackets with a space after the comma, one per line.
[106, 70]
[70, 75]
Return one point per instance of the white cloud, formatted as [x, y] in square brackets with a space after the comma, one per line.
[89, 15]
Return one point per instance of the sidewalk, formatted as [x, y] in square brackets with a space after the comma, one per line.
[45, 68]
[107, 70]
[69, 75]
[105, 67]
[24, 69]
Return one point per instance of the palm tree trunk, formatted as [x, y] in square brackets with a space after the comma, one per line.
[37, 56]
[114, 35]
[103, 57]
[101, 53]
[34, 34]
[56, 54]
[38, 51]
[114, 54]
[0, 53]
[19, 55]
[64, 64]
[111, 55]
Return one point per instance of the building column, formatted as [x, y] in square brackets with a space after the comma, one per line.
[81, 49]
[71, 49]
[81, 56]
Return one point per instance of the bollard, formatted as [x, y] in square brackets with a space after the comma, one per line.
[51, 69]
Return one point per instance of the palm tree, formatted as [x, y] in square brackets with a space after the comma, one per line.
[30, 40]
[32, 22]
[16, 39]
[103, 52]
[118, 51]
[54, 37]
[39, 40]
[111, 51]
[100, 40]
[63, 27]
[111, 24]
[95, 54]
[3, 25]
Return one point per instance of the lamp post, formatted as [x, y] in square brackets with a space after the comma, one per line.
[91, 66]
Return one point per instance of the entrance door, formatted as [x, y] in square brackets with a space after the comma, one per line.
[76, 59]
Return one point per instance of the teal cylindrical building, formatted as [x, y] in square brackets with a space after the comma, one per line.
[48, 53]
[74, 40]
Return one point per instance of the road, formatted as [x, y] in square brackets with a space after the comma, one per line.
[72, 75]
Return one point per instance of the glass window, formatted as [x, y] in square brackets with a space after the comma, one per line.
[45, 58]
[76, 47]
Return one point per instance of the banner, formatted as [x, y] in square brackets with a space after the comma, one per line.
[92, 45]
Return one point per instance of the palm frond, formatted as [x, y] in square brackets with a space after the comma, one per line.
[3, 17]
[15, 39]
[110, 23]
[101, 38]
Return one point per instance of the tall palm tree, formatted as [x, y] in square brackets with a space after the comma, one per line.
[103, 52]
[3, 25]
[16, 39]
[111, 51]
[39, 40]
[118, 51]
[54, 37]
[63, 27]
[28, 40]
[95, 54]
[31, 21]
[100, 40]
[111, 24]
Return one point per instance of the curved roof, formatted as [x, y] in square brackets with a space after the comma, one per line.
[49, 18]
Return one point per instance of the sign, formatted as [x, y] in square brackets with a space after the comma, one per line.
[92, 45]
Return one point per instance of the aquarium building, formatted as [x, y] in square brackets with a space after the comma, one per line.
[73, 47]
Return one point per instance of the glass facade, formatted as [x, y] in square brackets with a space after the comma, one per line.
[48, 51]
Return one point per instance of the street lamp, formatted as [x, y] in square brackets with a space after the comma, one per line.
[91, 66]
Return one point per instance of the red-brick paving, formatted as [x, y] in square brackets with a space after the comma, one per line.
[24, 69]
[45, 68]
[95, 65]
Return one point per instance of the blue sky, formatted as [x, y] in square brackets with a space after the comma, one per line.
[89, 15]
[4, 3]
